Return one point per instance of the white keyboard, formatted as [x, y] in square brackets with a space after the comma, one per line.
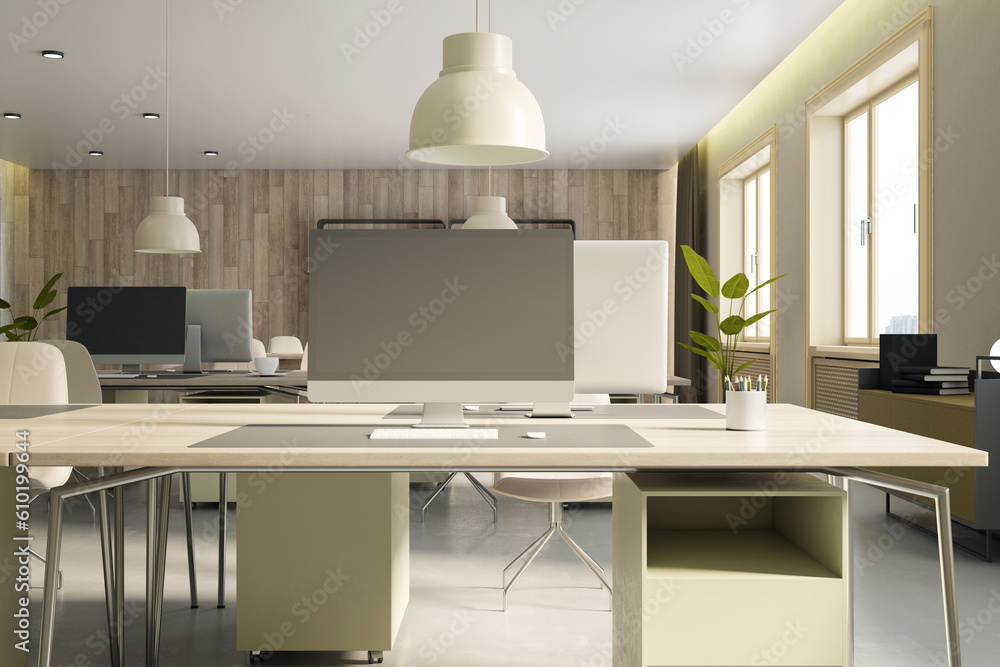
[434, 434]
[117, 376]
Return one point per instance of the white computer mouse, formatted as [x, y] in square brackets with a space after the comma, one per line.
[536, 435]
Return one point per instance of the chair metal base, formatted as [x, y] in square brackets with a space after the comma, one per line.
[555, 527]
[490, 499]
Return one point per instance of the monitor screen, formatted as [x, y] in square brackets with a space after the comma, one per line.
[128, 325]
[226, 320]
[440, 315]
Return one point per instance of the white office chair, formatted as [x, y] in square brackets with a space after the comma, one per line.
[35, 374]
[555, 489]
[284, 345]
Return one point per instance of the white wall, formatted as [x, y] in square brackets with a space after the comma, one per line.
[966, 216]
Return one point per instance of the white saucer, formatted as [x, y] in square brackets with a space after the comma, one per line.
[268, 375]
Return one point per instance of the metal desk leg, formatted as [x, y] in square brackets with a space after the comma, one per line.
[188, 523]
[51, 575]
[119, 556]
[942, 509]
[107, 559]
[151, 533]
[161, 562]
[223, 495]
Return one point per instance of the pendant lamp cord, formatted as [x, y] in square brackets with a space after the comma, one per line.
[166, 172]
[477, 15]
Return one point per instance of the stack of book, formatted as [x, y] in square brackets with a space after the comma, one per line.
[940, 380]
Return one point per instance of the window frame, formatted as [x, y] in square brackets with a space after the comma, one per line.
[870, 106]
[760, 237]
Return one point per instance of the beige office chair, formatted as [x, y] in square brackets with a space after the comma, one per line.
[555, 489]
[83, 386]
[284, 345]
[304, 366]
[258, 350]
[35, 374]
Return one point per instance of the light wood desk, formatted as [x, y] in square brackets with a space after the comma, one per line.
[159, 439]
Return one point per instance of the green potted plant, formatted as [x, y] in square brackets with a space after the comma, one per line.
[721, 351]
[25, 328]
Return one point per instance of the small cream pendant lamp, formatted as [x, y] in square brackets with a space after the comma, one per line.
[477, 113]
[166, 229]
[489, 213]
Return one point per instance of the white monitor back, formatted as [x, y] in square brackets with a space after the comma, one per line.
[620, 321]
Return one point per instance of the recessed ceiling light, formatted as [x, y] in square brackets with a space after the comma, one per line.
[97, 153]
[11, 115]
[151, 116]
[211, 153]
[53, 54]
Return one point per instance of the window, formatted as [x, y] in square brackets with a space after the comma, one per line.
[881, 195]
[756, 249]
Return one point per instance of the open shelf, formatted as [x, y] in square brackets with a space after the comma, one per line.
[722, 554]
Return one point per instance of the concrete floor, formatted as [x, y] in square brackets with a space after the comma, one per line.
[556, 615]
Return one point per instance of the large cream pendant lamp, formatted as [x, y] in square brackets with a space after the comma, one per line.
[477, 113]
[166, 229]
[489, 213]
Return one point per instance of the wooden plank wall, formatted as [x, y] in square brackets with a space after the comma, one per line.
[254, 223]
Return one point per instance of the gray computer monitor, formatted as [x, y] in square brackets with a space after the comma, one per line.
[440, 317]
[219, 327]
[128, 325]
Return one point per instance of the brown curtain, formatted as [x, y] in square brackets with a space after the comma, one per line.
[688, 314]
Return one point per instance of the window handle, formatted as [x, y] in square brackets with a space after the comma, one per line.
[914, 218]
[753, 262]
[869, 222]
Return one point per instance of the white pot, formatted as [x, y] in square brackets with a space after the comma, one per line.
[746, 410]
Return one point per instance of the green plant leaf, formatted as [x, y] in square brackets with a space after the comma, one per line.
[12, 337]
[46, 294]
[44, 300]
[709, 306]
[27, 323]
[53, 312]
[732, 325]
[766, 282]
[4, 305]
[706, 341]
[742, 367]
[715, 359]
[701, 272]
[759, 316]
[736, 286]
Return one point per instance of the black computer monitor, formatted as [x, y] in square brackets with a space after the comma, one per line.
[128, 325]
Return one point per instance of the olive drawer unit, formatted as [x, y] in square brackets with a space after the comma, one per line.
[715, 569]
[970, 420]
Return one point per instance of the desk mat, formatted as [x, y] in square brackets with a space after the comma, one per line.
[612, 436]
[33, 411]
[613, 411]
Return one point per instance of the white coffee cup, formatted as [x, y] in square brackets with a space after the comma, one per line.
[266, 365]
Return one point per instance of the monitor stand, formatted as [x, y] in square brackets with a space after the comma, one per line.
[549, 410]
[442, 415]
[192, 351]
[131, 369]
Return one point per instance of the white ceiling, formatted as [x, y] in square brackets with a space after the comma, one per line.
[234, 62]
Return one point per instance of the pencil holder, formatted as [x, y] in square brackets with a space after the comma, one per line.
[746, 410]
